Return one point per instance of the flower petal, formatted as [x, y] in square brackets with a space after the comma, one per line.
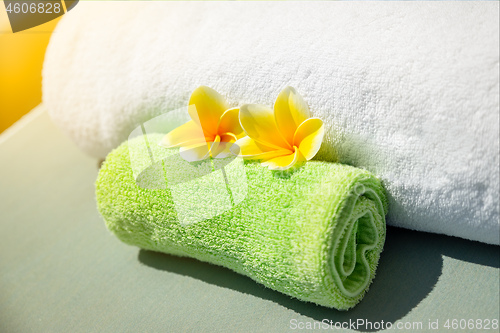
[290, 111]
[229, 122]
[213, 146]
[209, 107]
[246, 147]
[285, 162]
[223, 150]
[309, 136]
[185, 135]
[228, 137]
[259, 124]
[195, 152]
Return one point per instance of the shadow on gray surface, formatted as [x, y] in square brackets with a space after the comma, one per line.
[408, 270]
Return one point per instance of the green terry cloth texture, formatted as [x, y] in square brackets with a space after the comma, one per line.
[315, 234]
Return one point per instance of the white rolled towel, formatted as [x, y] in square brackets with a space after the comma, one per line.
[408, 90]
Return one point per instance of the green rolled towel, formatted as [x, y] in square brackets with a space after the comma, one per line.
[315, 234]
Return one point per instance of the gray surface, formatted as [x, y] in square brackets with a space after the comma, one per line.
[62, 271]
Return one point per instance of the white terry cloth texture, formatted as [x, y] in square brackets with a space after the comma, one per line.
[409, 91]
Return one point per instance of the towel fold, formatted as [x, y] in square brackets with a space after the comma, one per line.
[315, 234]
[408, 91]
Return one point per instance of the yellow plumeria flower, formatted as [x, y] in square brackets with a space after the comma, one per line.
[284, 138]
[210, 132]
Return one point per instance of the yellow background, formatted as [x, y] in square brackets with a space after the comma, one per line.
[21, 59]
